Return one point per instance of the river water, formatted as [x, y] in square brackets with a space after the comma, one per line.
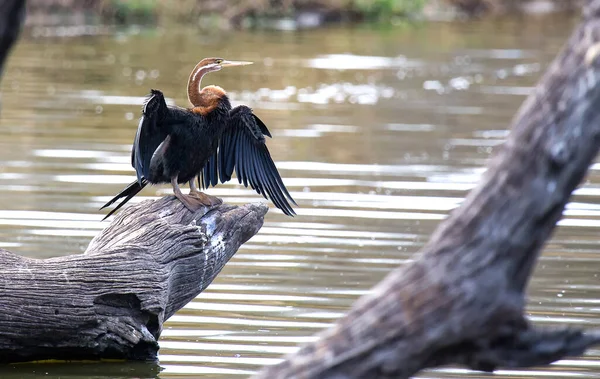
[377, 132]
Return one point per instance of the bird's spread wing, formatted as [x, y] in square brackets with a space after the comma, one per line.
[242, 147]
[150, 135]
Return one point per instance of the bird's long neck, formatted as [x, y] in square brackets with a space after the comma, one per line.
[195, 81]
[207, 99]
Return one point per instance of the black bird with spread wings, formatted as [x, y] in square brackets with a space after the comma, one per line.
[207, 141]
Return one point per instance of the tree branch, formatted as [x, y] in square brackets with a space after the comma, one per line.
[462, 300]
[12, 14]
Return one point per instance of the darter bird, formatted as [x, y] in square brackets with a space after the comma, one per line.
[206, 141]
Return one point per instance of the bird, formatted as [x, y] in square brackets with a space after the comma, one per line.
[203, 142]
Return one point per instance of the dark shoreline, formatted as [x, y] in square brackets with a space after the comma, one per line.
[284, 15]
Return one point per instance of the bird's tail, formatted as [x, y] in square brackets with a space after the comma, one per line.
[129, 192]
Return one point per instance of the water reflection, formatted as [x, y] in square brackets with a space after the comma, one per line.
[378, 134]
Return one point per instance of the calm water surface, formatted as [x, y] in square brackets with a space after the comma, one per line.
[378, 133]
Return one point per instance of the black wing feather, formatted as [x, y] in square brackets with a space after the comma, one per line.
[276, 195]
[241, 159]
[262, 126]
[214, 175]
[253, 177]
[242, 148]
[277, 178]
[205, 178]
[202, 178]
[130, 191]
[222, 161]
[150, 134]
[209, 175]
[267, 185]
[229, 153]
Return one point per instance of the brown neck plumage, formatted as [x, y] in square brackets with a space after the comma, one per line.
[208, 99]
[195, 81]
[204, 100]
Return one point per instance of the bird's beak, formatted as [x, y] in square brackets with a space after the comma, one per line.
[234, 63]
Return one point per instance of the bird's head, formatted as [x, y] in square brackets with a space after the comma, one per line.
[215, 64]
[204, 67]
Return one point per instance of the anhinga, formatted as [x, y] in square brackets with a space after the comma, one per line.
[207, 141]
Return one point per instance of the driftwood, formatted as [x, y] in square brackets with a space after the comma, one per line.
[462, 300]
[111, 301]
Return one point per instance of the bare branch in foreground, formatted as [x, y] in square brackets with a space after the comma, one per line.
[461, 301]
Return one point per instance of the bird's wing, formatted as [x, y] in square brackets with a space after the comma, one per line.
[242, 147]
[151, 133]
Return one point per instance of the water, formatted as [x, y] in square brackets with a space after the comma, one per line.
[378, 134]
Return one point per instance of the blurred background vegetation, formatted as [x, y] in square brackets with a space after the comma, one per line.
[283, 14]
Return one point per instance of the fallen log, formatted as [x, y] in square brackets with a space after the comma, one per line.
[111, 301]
[461, 301]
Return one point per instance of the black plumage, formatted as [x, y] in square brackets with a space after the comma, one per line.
[209, 141]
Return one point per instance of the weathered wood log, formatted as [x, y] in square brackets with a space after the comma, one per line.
[111, 301]
[461, 301]
[12, 14]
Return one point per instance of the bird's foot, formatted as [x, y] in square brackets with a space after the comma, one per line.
[204, 199]
[194, 203]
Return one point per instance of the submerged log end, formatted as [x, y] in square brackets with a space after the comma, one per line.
[529, 348]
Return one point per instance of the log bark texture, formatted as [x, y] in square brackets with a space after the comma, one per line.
[111, 301]
[462, 300]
